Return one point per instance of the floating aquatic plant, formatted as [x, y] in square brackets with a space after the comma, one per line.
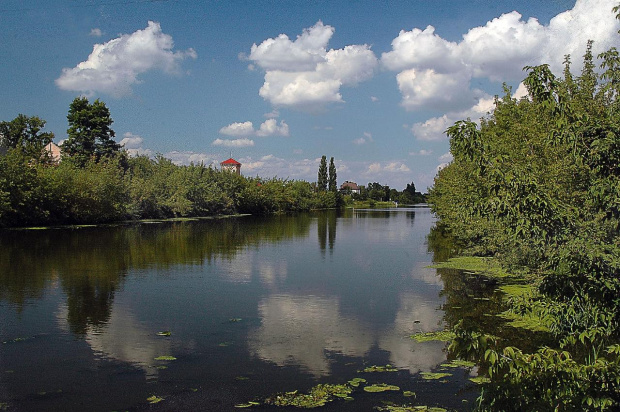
[317, 396]
[443, 336]
[355, 382]
[164, 333]
[408, 394]
[457, 363]
[406, 408]
[165, 358]
[480, 380]
[381, 387]
[154, 399]
[247, 405]
[375, 368]
[434, 375]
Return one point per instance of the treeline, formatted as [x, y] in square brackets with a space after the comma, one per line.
[383, 193]
[96, 181]
[124, 188]
[537, 186]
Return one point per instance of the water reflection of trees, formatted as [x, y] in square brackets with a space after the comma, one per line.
[473, 300]
[91, 263]
[326, 229]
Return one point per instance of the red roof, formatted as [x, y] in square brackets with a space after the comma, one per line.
[230, 161]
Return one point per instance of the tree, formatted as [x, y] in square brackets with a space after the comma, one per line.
[333, 184]
[89, 132]
[24, 133]
[322, 176]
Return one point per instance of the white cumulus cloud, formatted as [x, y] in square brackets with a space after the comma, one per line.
[133, 144]
[238, 129]
[303, 72]
[271, 128]
[113, 67]
[434, 72]
[245, 142]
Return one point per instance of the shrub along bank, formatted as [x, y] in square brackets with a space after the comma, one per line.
[123, 188]
[537, 186]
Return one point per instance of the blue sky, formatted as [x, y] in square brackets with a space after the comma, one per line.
[280, 83]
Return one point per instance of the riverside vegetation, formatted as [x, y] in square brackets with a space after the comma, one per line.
[98, 182]
[537, 187]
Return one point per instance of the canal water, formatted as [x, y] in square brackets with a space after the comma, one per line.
[213, 314]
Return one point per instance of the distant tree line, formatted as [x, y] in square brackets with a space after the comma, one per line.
[382, 193]
[98, 182]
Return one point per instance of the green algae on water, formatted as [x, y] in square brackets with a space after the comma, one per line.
[164, 333]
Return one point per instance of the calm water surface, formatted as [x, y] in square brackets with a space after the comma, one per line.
[255, 306]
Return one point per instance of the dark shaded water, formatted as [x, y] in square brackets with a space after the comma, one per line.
[255, 306]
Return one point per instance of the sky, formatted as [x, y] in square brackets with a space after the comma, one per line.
[276, 84]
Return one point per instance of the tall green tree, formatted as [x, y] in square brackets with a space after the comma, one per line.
[89, 134]
[24, 133]
[322, 175]
[333, 183]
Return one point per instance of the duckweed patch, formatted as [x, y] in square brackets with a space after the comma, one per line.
[165, 358]
[380, 387]
[164, 333]
[375, 368]
[317, 396]
[442, 336]
[434, 375]
[409, 394]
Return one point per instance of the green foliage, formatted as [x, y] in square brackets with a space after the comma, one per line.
[332, 182]
[537, 186]
[89, 133]
[322, 175]
[24, 133]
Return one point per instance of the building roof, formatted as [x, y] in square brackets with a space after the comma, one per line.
[351, 185]
[230, 162]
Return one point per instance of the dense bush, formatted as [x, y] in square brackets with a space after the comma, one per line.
[537, 185]
[121, 188]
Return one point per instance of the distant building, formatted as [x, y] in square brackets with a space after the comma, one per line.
[54, 151]
[352, 186]
[231, 165]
